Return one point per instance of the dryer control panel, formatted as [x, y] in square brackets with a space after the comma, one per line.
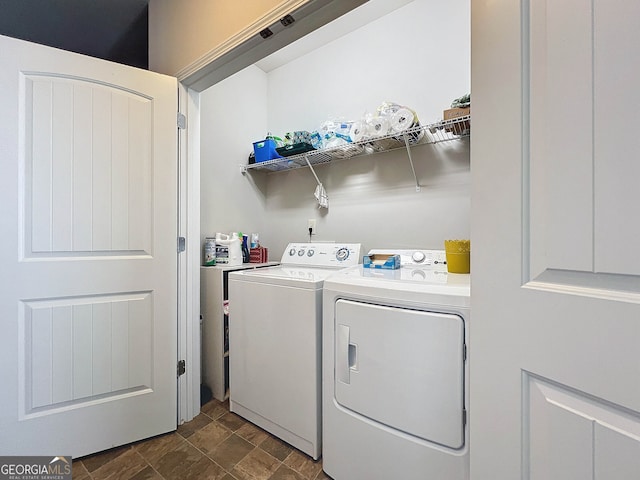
[432, 259]
[315, 254]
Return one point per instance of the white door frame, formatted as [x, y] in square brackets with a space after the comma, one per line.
[189, 260]
[243, 49]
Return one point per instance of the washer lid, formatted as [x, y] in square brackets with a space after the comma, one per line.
[307, 277]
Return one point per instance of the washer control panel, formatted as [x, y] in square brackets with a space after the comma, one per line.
[322, 254]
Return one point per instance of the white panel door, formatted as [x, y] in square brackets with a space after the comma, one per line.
[554, 357]
[88, 195]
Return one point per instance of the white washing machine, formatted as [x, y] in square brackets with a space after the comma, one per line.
[275, 341]
[395, 374]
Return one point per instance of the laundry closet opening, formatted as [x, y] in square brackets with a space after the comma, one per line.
[411, 53]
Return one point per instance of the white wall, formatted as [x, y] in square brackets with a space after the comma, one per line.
[232, 114]
[419, 56]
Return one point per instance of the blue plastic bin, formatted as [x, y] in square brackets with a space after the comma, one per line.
[265, 150]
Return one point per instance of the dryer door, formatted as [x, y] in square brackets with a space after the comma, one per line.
[402, 368]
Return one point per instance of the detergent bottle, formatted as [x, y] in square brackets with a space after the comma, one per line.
[228, 249]
[235, 250]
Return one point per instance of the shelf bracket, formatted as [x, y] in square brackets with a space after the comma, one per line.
[406, 143]
[320, 193]
[306, 159]
[243, 169]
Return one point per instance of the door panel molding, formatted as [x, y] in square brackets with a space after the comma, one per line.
[619, 288]
[559, 164]
[572, 434]
[578, 221]
[76, 350]
[77, 134]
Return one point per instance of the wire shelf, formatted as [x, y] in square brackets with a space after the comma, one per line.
[443, 131]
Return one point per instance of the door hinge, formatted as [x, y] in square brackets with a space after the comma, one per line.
[182, 244]
[182, 367]
[182, 121]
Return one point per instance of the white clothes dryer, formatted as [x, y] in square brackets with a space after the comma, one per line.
[275, 341]
[395, 372]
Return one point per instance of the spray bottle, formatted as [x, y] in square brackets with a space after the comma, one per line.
[245, 248]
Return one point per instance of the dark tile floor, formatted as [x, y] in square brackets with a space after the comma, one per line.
[217, 445]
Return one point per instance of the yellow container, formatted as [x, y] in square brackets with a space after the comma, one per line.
[458, 255]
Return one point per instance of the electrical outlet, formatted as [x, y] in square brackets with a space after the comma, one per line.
[311, 223]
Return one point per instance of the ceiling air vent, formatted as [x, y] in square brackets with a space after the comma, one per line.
[266, 33]
[287, 20]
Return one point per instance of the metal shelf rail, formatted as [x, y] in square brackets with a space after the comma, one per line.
[443, 131]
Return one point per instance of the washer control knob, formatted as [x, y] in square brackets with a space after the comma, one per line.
[301, 252]
[310, 253]
[342, 254]
[292, 252]
[418, 257]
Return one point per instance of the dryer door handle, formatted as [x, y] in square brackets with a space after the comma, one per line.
[346, 354]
